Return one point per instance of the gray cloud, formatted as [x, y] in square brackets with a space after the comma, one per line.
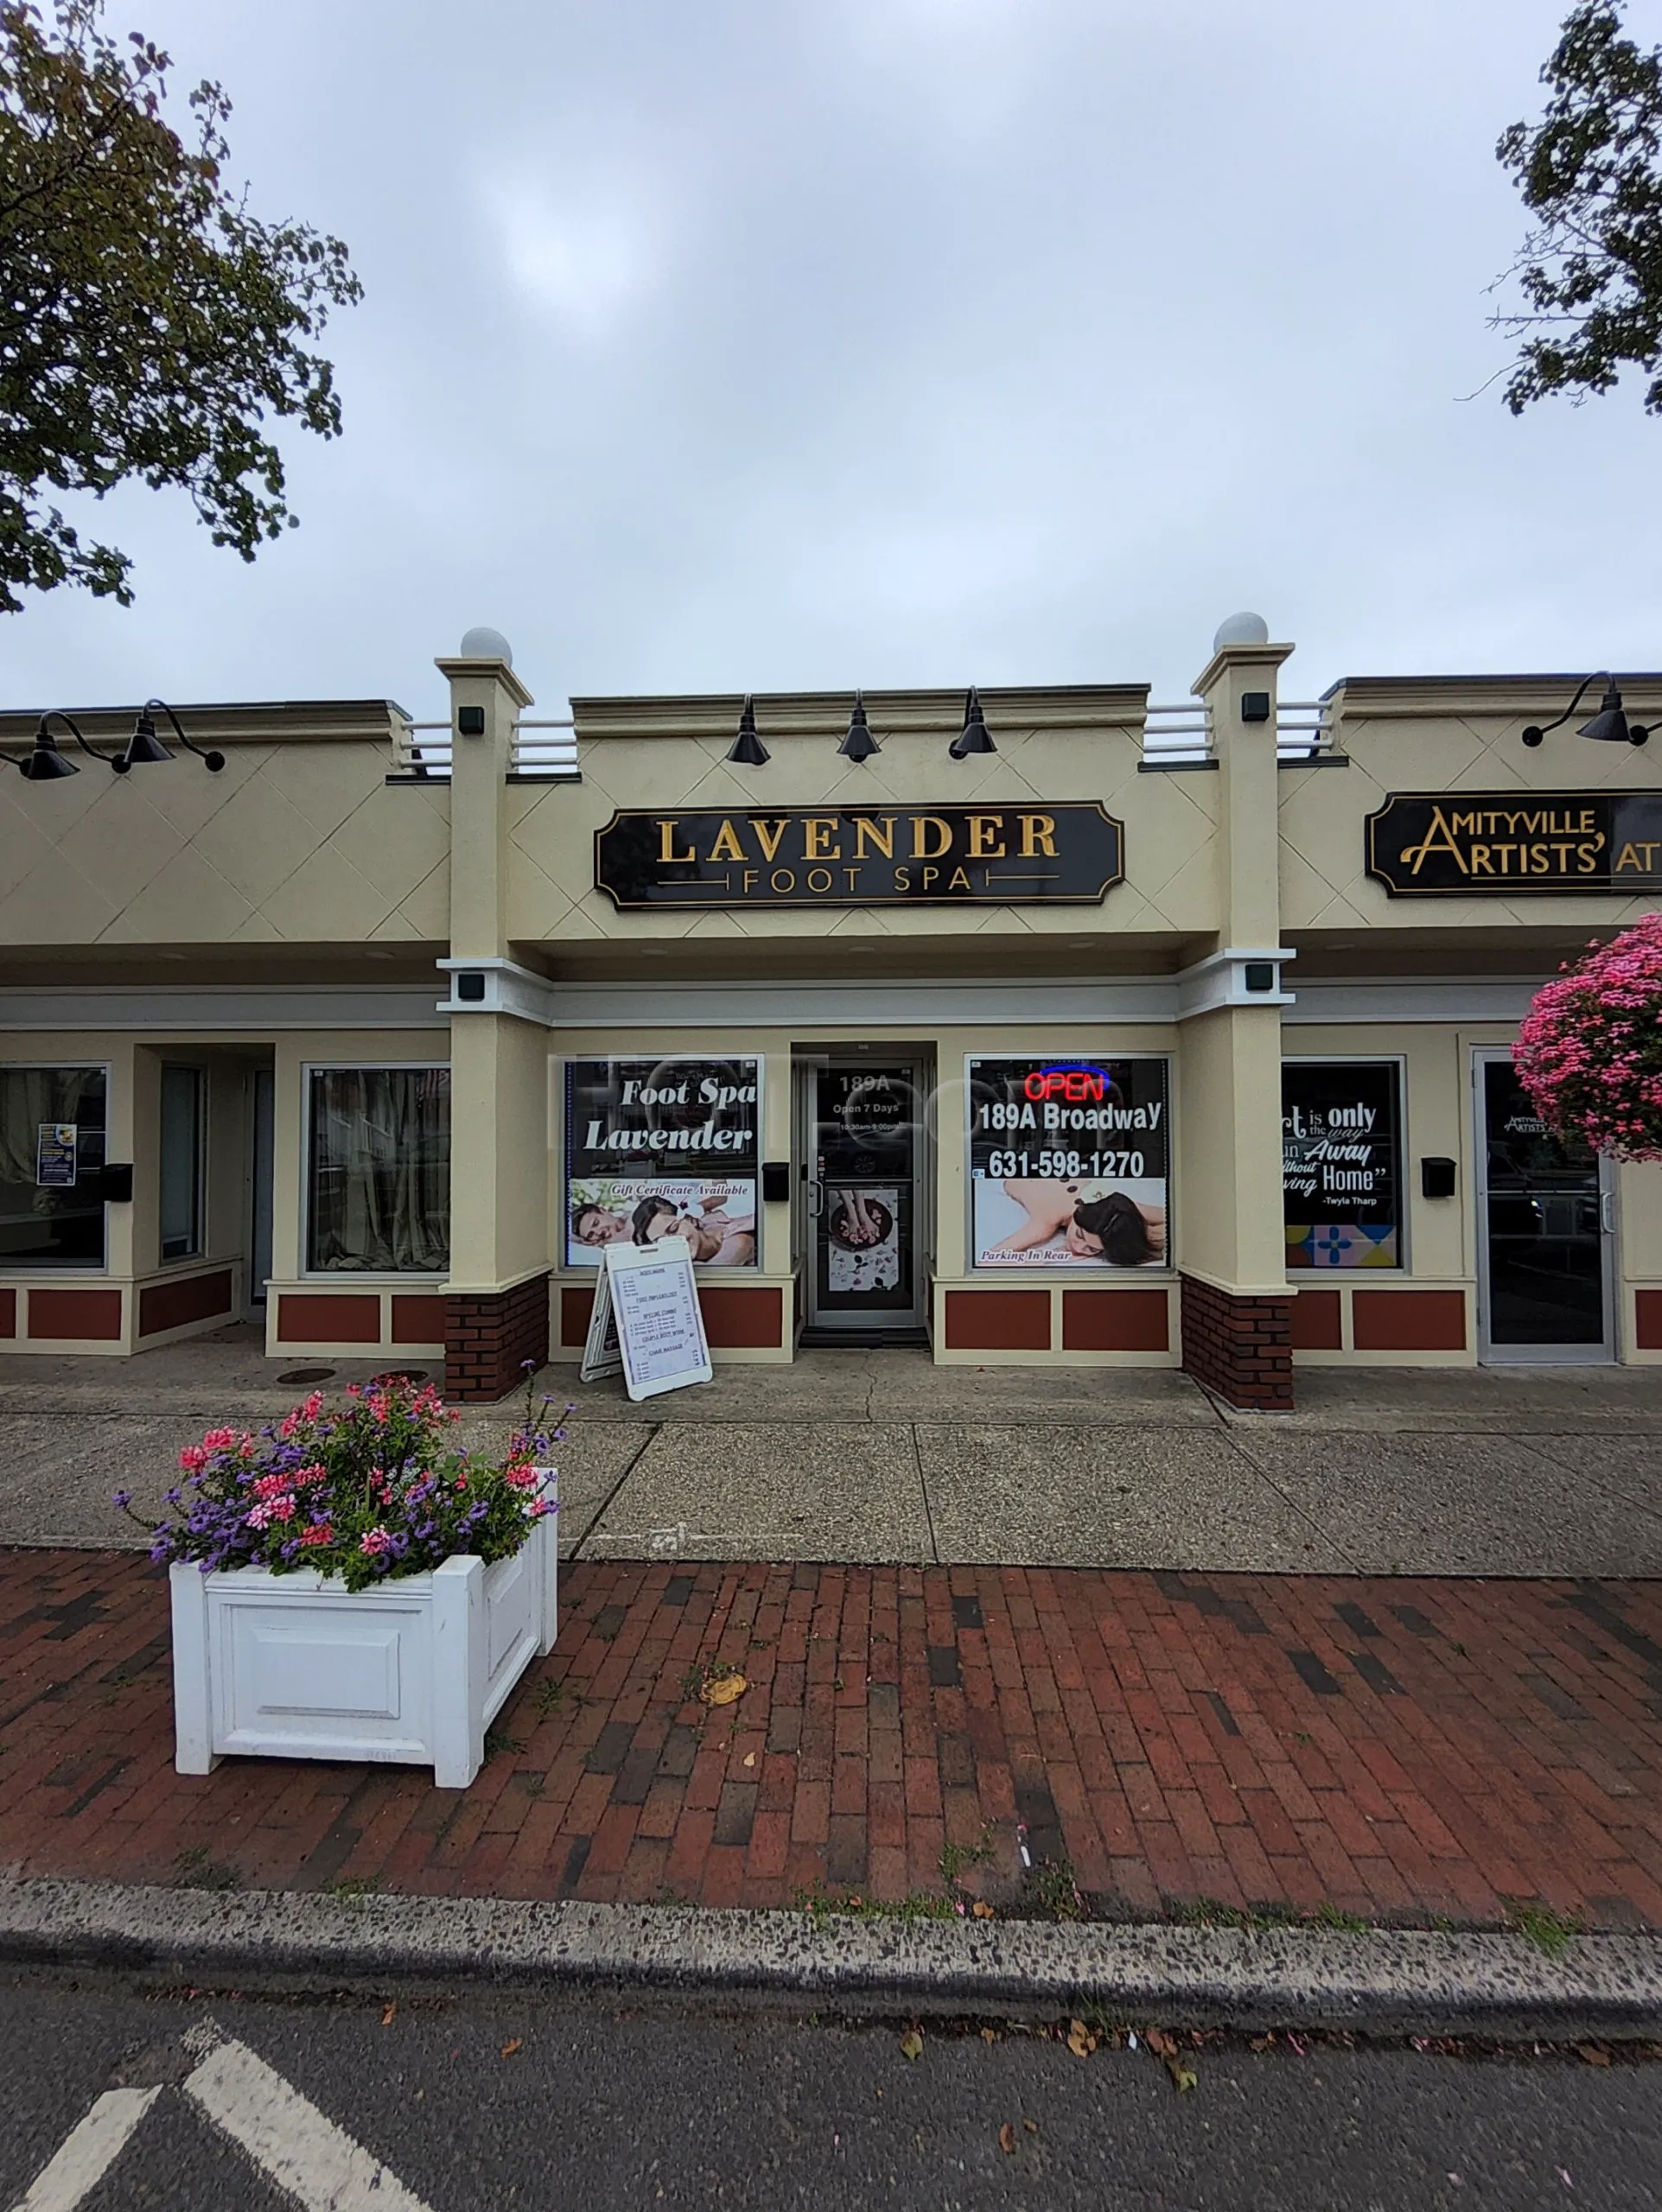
[777, 343]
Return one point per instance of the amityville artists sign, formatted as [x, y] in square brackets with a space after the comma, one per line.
[1071, 853]
[1512, 844]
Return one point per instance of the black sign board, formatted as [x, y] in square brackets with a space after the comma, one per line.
[1515, 844]
[1340, 1168]
[1020, 855]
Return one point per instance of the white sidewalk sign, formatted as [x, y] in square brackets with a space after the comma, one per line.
[601, 1353]
[661, 1329]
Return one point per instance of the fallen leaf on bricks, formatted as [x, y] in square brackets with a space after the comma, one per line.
[1007, 2139]
[750, 1758]
[1162, 2044]
[981, 1910]
[1183, 2075]
[1031, 2126]
[911, 2044]
[1593, 2054]
[508, 2048]
[990, 2036]
[726, 1689]
[387, 2016]
[1262, 2042]
[1080, 2040]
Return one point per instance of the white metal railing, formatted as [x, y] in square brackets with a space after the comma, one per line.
[541, 749]
[550, 750]
[1173, 735]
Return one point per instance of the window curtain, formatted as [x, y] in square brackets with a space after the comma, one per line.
[380, 1170]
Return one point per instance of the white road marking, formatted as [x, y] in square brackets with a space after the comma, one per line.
[293, 2143]
[88, 2152]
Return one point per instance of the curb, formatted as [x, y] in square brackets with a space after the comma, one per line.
[1384, 1982]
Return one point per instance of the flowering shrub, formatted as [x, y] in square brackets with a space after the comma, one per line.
[373, 1490]
[1589, 1054]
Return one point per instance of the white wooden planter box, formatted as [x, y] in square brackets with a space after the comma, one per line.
[412, 1672]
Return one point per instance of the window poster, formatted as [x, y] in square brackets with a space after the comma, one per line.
[663, 1147]
[1340, 1170]
[55, 1148]
[1069, 1162]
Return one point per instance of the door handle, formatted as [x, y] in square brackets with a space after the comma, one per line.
[816, 1199]
[1608, 1213]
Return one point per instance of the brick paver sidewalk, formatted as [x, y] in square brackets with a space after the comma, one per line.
[1396, 1748]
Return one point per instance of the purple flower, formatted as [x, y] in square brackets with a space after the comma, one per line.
[122, 1499]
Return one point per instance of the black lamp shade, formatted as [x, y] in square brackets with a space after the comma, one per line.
[143, 747]
[859, 744]
[975, 736]
[1609, 725]
[747, 747]
[46, 764]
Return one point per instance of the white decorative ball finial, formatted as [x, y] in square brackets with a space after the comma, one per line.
[486, 645]
[1241, 630]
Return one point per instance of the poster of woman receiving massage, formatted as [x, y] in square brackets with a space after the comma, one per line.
[659, 1148]
[1069, 1162]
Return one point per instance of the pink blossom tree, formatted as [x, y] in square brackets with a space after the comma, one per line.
[1589, 1054]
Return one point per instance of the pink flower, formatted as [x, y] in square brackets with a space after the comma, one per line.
[313, 1407]
[522, 1477]
[193, 1458]
[270, 1486]
[303, 1475]
[374, 1541]
[219, 1439]
[318, 1533]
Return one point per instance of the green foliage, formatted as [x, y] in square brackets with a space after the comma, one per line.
[1591, 272]
[1549, 1931]
[151, 326]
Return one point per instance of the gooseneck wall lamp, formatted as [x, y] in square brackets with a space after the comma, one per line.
[747, 749]
[1610, 725]
[859, 744]
[144, 748]
[974, 737]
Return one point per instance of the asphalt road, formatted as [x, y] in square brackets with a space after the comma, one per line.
[592, 2107]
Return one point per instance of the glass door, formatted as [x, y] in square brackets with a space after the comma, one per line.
[1545, 1218]
[864, 1159]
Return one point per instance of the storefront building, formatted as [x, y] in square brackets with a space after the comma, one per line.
[1050, 1027]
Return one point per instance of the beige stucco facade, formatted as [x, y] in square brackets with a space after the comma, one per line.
[358, 918]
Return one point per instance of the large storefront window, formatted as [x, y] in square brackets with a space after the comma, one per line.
[378, 1200]
[1069, 1162]
[182, 1117]
[657, 1148]
[52, 1168]
[1341, 1165]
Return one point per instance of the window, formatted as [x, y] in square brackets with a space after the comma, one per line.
[378, 1171]
[657, 1148]
[1341, 1173]
[182, 1117]
[52, 1168]
[1069, 1162]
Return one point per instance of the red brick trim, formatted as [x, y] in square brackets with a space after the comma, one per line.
[418, 1316]
[1116, 1320]
[1317, 1323]
[94, 1315]
[487, 1334]
[170, 1305]
[1239, 1348]
[1647, 1320]
[8, 1312]
[1409, 1320]
[997, 1320]
[350, 1319]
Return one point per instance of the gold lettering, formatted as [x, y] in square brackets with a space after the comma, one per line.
[815, 830]
[789, 884]
[1630, 858]
[922, 850]
[726, 846]
[666, 852]
[1480, 862]
[1538, 860]
[768, 834]
[882, 839]
[1038, 835]
[1443, 833]
[929, 875]
[1586, 858]
[824, 878]
[902, 879]
[983, 827]
[853, 876]
[960, 880]
[748, 881]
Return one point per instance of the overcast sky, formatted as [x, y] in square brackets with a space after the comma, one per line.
[718, 344]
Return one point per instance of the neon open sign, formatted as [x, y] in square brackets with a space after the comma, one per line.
[1079, 1086]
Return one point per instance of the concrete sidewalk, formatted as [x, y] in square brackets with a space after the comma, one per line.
[882, 1456]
